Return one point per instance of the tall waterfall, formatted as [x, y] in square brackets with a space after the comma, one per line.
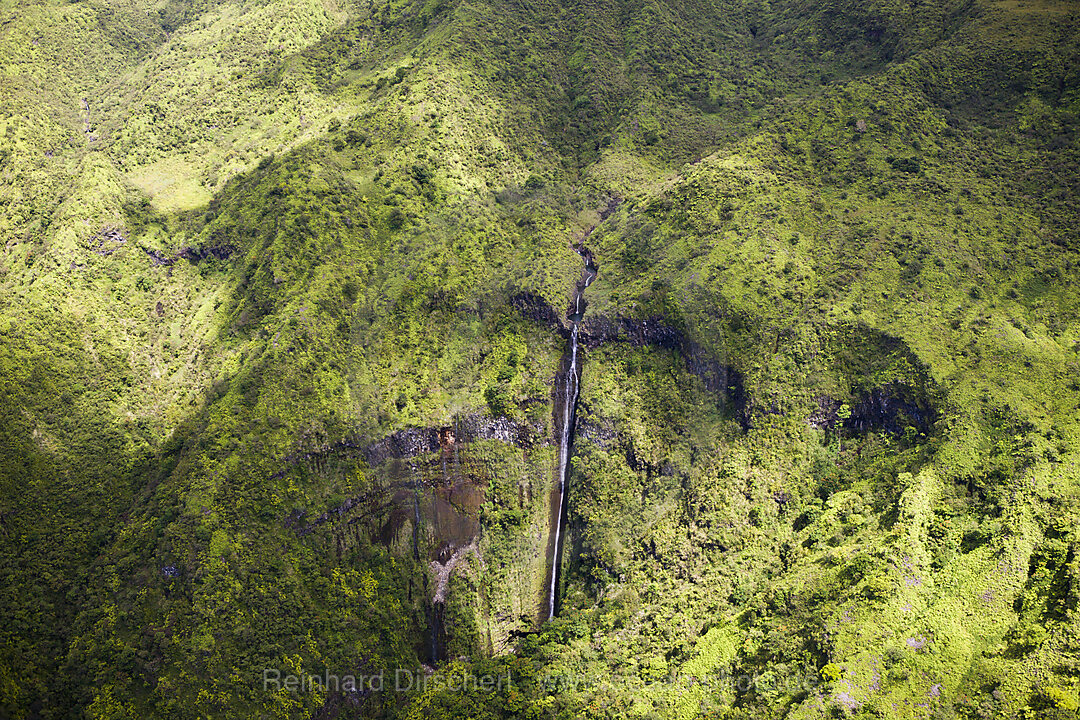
[570, 395]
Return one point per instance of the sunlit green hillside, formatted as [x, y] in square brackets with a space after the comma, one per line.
[283, 346]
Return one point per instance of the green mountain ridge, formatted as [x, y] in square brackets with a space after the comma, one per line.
[283, 309]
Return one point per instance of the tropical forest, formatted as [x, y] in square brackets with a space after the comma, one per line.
[539, 359]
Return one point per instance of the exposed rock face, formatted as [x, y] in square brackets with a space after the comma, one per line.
[442, 571]
[406, 443]
[425, 492]
[471, 428]
[596, 330]
[534, 308]
[195, 254]
[414, 442]
[896, 392]
[602, 435]
[892, 408]
[108, 241]
[157, 258]
[720, 379]
[650, 331]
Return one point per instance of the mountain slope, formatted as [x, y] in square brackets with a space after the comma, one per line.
[283, 316]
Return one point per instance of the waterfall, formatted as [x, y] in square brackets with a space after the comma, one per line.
[564, 461]
[570, 395]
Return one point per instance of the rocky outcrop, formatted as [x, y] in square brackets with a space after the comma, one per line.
[602, 329]
[107, 241]
[892, 408]
[601, 434]
[406, 443]
[471, 428]
[157, 258]
[534, 308]
[719, 378]
[415, 442]
[191, 254]
[893, 388]
[195, 254]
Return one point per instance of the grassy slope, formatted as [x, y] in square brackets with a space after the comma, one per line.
[808, 227]
[458, 147]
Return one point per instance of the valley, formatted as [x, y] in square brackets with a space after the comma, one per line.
[658, 359]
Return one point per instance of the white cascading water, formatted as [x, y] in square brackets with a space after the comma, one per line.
[564, 460]
[569, 400]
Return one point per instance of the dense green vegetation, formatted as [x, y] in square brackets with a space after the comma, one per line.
[280, 306]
